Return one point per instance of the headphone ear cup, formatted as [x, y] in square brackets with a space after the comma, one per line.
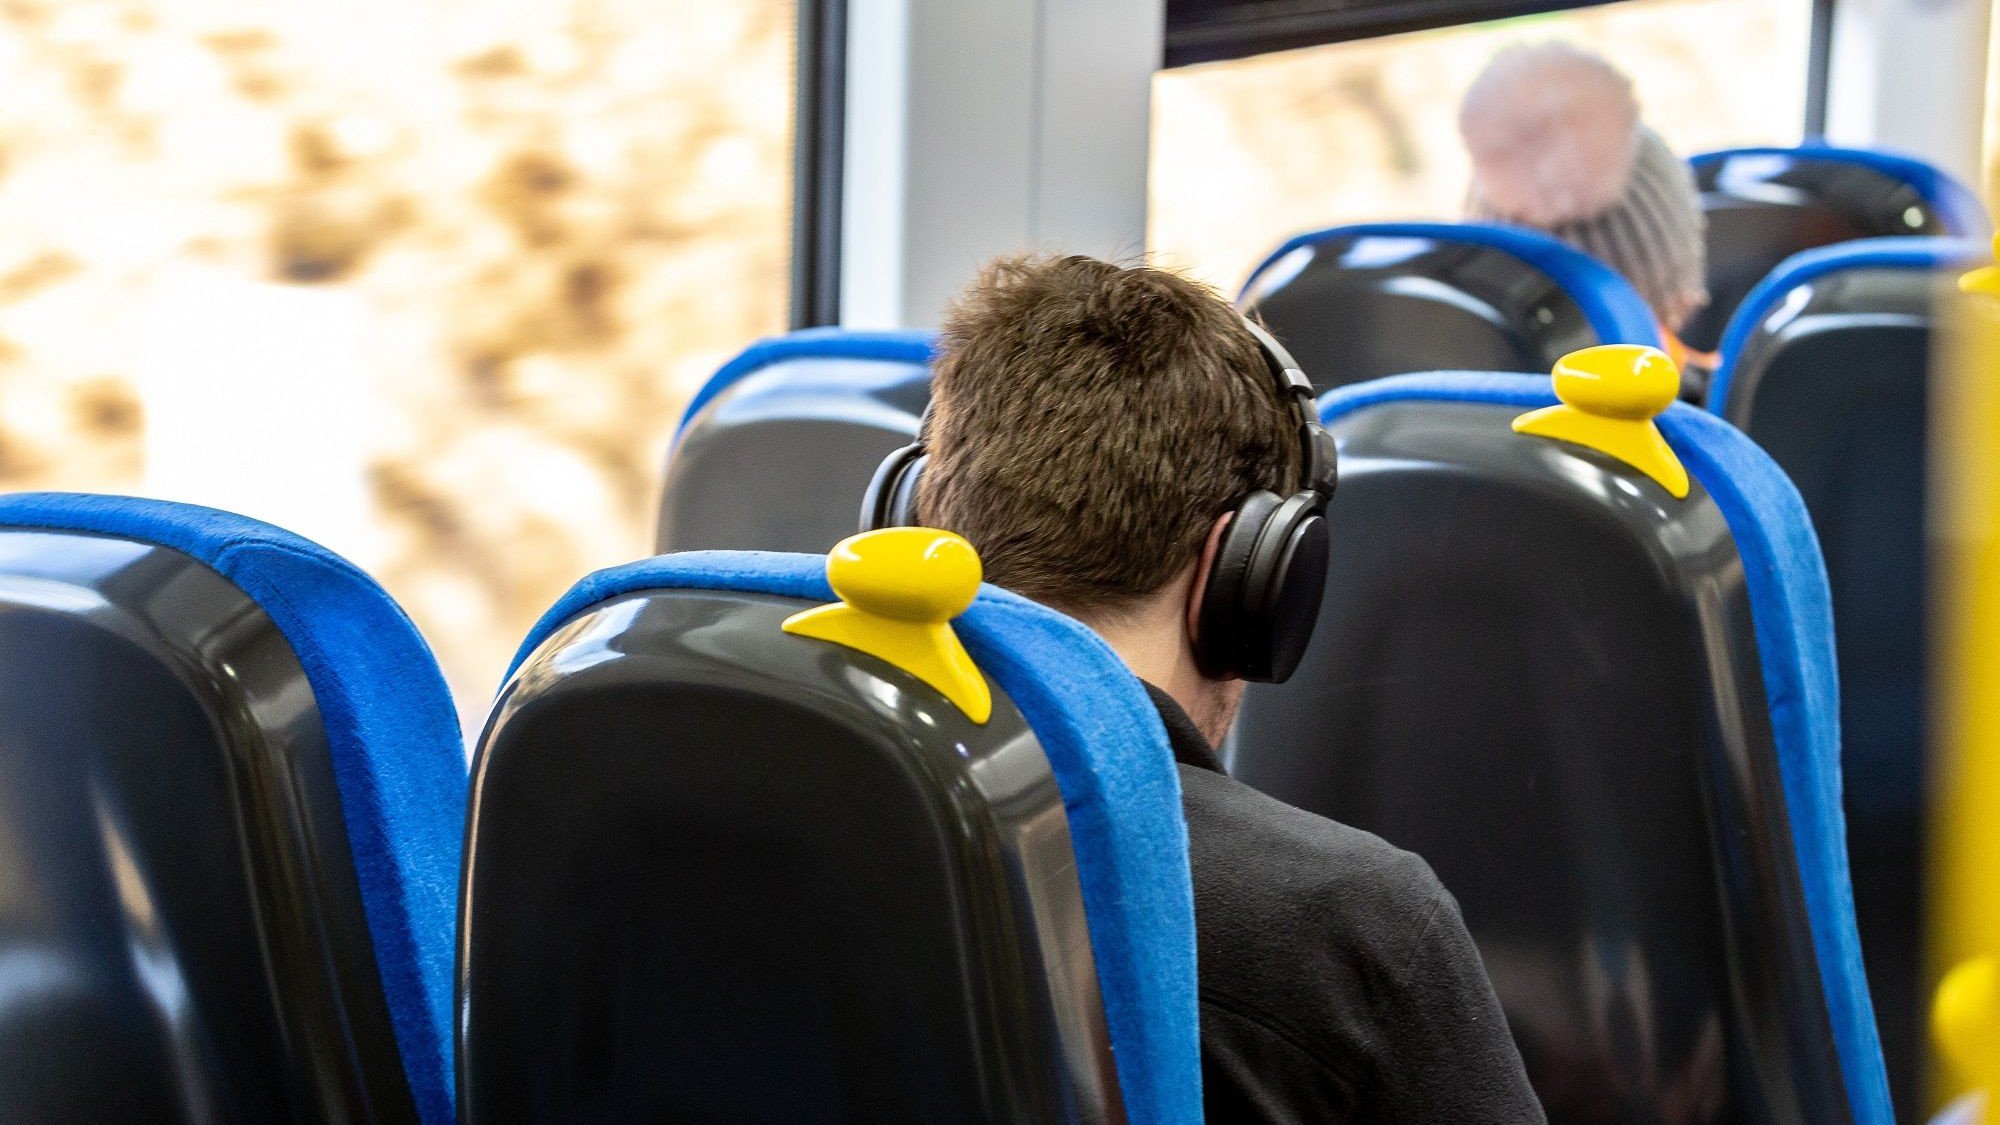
[1220, 621]
[1287, 584]
[892, 492]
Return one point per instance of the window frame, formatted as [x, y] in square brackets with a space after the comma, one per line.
[1284, 25]
[819, 130]
[819, 121]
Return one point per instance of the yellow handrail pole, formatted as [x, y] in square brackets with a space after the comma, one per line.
[1965, 931]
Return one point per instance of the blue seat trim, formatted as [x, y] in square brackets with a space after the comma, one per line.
[811, 343]
[1956, 205]
[392, 733]
[1807, 266]
[1614, 310]
[1792, 611]
[1109, 753]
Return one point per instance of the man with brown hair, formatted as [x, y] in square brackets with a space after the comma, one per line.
[1092, 428]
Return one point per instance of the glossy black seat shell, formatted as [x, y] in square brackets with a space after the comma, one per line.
[1828, 368]
[1765, 204]
[1538, 671]
[720, 874]
[181, 933]
[1361, 302]
[776, 451]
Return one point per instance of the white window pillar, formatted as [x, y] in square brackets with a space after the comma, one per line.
[978, 127]
[1910, 75]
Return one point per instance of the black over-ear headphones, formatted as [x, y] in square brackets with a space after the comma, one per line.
[1264, 587]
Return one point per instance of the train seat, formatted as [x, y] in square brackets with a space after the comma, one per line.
[1766, 204]
[1607, 718]
[1826, 366]
[720, 872]
[1355, 303]
[776, 449]
[232, 789]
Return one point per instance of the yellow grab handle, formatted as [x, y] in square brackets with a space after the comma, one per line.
[1966, 1016]
[1610, 395]
[899, 588]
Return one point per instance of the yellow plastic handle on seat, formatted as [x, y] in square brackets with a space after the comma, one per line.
[1610, 395]
[1965, 1017]
[899, 588]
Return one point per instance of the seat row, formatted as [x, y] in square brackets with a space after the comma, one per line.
[1825, 366]
[1548, 686]
[1504, 299]
[702, 852]
[250, 876]
[1362, 302]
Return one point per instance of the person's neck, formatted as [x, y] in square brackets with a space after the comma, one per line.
[1155, 646]
[1164, 663]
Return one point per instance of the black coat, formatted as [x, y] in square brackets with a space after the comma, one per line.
[1338, 983]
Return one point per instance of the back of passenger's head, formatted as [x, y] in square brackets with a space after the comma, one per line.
[1557, 144]
[1089, 424]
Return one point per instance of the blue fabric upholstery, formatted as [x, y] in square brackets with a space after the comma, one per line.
[1792, 613]
[1614, 309]
[811, 343]
[1957, 207]
[1805, 267]
[392, 733]
[1110, 757]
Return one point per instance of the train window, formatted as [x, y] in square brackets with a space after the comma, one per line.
[1249, 151]
[426, 280]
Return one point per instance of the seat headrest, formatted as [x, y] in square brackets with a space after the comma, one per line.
[1805, 267]
[1956, 206]
[392, 735]
[1792, 612]
[912, 348]
[1615, 311]
[1108, 751]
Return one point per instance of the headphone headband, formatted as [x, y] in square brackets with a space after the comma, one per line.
[1293, 385]
[1318, 460]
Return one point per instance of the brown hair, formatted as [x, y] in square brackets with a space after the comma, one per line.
[1090, 422]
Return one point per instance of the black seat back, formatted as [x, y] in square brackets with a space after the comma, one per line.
[717, 872]
[1765, 204]
[1827, 367]
[778, 447]
[1360, 302]
[1540, 672]
[185, 932]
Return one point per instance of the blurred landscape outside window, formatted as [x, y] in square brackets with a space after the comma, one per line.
[426, 280]
[1247, 153]
[431, 280]
[1990, 190]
